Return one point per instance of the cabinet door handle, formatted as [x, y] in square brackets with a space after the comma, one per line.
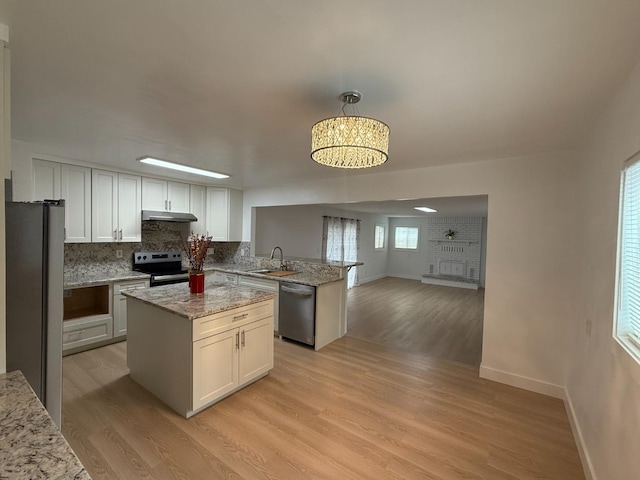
[237, 340]
[240, 317]
[242, 338]
[169, 205]
[115, 234]
[120, 234]
[165, 205]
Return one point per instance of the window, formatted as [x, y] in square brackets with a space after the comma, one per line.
[406, 238]
[379, 234]
[628, 287]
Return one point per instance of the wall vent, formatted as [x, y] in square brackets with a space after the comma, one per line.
[451, 249]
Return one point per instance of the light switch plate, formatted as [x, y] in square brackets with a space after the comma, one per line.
[118, 253]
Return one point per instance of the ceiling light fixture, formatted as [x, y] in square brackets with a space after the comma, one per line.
[426, 209]
[350, 141]
[181, 168]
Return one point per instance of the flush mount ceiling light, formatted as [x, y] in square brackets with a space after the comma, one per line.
[426, 209]
[350, 141]
[181, 168]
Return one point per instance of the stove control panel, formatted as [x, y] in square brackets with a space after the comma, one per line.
[140, 258]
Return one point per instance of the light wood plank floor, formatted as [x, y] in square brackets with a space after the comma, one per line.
[445, 322]
[354, 410]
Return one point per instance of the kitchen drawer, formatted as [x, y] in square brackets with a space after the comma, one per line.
[120, 287]
[77, 333]
[219, 322]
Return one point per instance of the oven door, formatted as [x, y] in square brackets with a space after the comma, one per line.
[158, 280]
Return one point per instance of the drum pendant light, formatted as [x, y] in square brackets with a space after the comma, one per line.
[350, 141]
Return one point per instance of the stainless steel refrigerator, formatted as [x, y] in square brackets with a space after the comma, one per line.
[35, 258]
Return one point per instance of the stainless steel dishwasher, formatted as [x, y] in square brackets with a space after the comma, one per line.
[297, 312]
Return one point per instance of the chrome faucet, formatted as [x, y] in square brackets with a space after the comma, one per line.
[283, 265]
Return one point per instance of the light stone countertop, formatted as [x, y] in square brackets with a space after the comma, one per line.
[96, 277]
[217, 297]
[313, 278]
[32, 446]
[317, 261]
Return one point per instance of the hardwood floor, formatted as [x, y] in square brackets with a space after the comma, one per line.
[354, 410]
[444, 322]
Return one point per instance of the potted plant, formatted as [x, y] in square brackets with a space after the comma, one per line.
[450, 234]
[196, 247]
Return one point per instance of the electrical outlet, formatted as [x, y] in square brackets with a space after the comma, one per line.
[118, 253]
[242, 252]
[587, 327]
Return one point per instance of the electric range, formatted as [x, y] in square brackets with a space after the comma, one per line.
[164, 267]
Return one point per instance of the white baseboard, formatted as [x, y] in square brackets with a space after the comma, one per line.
[449, 283]
[587, 465]
[551, 390]
[401, 275]
[371, 279]
[520, 381]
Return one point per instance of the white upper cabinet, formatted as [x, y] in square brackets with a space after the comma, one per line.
[198, 208]
[224, 214]
[164, 196]
[178, 197]
[154, 194]
[76, 191]
[117, 206]
[45, 180]
[129, 208]
[104, 206]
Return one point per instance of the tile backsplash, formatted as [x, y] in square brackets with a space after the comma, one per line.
[156, 236]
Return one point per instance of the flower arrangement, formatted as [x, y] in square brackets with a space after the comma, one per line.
[450, 234]
[196, 246]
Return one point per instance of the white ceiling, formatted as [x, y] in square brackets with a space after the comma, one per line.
[468, 206]
[235, 86]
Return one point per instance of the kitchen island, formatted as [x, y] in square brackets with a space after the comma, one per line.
[194, 350]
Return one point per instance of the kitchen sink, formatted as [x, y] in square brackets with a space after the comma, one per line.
[274, 273]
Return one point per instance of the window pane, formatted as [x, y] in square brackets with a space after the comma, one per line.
[379, 237]
[628, 322]
[406, 238]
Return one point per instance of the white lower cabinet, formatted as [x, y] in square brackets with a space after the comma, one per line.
[263, 284]
[256, 350]
[120, 304]
[191, 364]
[226, 361]
[215, 367]
[85, 331]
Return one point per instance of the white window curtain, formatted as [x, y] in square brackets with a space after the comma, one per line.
[340, 243]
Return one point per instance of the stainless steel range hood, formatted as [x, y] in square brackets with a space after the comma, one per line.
[148, 215]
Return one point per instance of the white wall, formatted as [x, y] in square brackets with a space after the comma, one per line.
[529, 269]
[407, 263]
[603, 383]
[298, 231]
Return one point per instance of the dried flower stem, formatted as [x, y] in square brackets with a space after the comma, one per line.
[196, 246]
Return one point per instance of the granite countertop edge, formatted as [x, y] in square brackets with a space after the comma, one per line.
[312, 279]
[99, 278]
[217, 298]
[32, 446]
